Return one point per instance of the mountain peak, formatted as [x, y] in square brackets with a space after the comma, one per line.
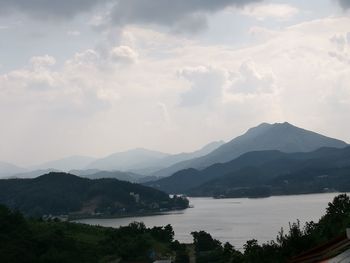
[276, 124]
[264, 127]
[284, 124]
[280, 136]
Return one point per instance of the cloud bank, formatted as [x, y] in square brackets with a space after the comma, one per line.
[344, 3]
[48, 9]
[189, 15]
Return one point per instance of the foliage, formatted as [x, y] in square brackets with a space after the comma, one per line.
[54, 241]
[211, 250]
[62, 194]
[32, 240]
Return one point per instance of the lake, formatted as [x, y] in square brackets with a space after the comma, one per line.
[235, 220]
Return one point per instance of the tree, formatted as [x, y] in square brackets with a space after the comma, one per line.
[204, 242]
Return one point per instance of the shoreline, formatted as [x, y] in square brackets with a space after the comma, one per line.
[137, 214]
[174, 211]
[267, 196]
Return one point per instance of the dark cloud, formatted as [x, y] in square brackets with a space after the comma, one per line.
[178, 14]
[344, 3]
[167, 11]
[48, 9]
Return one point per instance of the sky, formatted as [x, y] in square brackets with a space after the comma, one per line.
[93, 77]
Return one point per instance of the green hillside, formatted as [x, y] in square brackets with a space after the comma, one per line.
[66, 194]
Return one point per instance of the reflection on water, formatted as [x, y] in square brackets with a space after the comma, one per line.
[234, 220]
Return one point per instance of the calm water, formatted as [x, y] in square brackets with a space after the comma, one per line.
[235, 220]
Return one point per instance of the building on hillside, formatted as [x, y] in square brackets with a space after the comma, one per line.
[334, 251]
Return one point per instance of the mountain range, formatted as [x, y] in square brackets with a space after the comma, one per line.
[141, 162]
[230, 157]
[324, 170]
[188, 172]
[146, 162]
[66, 164]
[284, 137]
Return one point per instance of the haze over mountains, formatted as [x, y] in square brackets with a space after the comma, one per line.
[279, 136]
[144, 161]
[311, 171]
[8, 168]
[324, 170]
[135, 163]
[186, 169]
[68, 163]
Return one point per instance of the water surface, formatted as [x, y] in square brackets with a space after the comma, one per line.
[236, 219]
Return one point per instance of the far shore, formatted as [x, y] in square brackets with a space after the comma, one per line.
[73, 218]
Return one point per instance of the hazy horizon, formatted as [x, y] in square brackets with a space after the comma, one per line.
[39, 164]
[101, 76]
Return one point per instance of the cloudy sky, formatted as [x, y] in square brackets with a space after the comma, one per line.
[92, 77]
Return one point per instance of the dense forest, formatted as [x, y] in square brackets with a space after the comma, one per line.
[35, 240]
[66, 194]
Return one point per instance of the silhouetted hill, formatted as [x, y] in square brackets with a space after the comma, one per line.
[283, 137]
[124, 176]
[61, 193]
[34, 173]
[186, 179]
[255, 169]
[291, 173]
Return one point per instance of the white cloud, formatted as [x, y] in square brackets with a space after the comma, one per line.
[164, 113]
[206, 85]
[249, 80]
[262, 33]
[176, 90]
[124, 54]
[43, 61]
[270, 10]
[341, 51]
[87, 58]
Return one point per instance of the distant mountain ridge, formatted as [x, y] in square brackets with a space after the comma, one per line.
[175, 158]
[279, 136]
[284, 173]
[123, 176]
[326, 169]
[153, 164]
[8, 169]
[184, 180]
[139, 163]
[145, 161]
[129, 160]
[66, 164]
